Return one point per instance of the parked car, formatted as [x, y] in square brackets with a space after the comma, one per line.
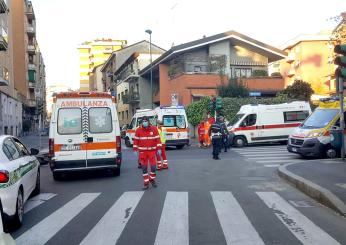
[19, 179]
[123, 131]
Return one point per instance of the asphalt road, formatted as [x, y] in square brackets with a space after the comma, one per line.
[237, 200]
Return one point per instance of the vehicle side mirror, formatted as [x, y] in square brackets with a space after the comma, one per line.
[34, 151]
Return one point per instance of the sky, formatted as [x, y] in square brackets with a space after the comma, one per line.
[64, 24]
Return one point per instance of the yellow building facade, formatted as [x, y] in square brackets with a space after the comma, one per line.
[310, 58]
[94, 53]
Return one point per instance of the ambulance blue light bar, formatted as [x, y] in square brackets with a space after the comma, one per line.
[172, 107]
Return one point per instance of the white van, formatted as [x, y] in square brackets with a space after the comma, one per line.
[84, 133]
[267, 123]
[174, 124]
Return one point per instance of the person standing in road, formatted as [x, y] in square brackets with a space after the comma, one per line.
[216, 138]
[162, 162]
[225, 134]
[147, 142]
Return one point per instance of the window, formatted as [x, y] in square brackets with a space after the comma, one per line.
[174, 121]
[122, 115]
[249, 120]
[242, 72]
[132, 124]
[126, 91]
[197, 69]
[100, 120]
[70, 121]
[22, 149]
[127, 114]
[118, 97]
[11, 149]
[294, 116]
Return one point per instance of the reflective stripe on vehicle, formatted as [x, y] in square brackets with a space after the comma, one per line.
[91, 146]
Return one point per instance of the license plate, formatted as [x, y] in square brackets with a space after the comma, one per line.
[169, 136]
[70, 148]
[294, 149]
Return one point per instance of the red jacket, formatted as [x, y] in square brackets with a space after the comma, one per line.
[146, 139]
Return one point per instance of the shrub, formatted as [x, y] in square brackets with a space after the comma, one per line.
[259, 73]
[299, 90]
[234, 88]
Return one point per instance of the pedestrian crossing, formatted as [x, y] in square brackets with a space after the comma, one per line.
[173, 226]
[268, 154]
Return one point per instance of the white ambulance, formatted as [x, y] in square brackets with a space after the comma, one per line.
[267, 123]
[174, 124]
[84, 133]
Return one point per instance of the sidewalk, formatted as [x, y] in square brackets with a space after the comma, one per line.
[323, 180]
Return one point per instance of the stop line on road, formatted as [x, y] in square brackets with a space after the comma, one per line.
[173, 227]
[267, 154]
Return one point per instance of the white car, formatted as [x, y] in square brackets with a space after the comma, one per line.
[19, 179]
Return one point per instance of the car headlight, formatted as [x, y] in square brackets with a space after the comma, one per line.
[315, 134]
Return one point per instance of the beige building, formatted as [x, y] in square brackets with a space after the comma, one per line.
[50, 92]
[96, 81]
[94, 53]
[310, 58]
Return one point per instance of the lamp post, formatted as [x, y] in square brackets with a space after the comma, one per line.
[151, 68]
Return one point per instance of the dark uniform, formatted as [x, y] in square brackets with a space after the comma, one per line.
[216, 139]
[225, 136]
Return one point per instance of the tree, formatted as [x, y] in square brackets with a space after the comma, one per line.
[299, 90]
[235, 88]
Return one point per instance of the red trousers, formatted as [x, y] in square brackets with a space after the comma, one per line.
[162, 160]
[146, 157]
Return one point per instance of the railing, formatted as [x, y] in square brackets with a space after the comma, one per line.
[131, 98]
[3, 39]
[31, 48]
[31, 66]
[3, 7]
[30, 29]
[32, 85]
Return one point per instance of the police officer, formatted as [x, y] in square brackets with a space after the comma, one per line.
[225, 134]
[216, 138]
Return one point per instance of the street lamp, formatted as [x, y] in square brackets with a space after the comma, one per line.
[151, 68]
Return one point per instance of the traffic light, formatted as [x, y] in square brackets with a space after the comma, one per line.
[212, 104]
[218, 103]
[340, 61]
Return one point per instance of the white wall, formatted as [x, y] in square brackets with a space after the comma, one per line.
[10, 115]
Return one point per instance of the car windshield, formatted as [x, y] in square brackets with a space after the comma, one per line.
[319, 119]
[235, 119]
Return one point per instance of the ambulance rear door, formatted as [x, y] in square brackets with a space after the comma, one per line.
[69, 145]
[100, 132]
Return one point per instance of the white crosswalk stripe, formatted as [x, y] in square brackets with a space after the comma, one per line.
[173, 227]
[301, 227]
[235, 225]
[47, 228]
[174, 223]
[110, 227]
[37, 200]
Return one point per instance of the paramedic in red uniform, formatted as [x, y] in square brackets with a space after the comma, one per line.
[147, 142]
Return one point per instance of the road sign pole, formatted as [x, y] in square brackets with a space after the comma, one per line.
[342, 119]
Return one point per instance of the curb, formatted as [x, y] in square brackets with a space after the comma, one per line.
[313, 190]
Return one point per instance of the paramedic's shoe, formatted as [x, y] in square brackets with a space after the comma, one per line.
[146, 187]
[165, 166]
[159, 167]
[153, 183]
[139, 165]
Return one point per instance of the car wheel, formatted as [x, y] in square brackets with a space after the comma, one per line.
[127, 142]
[18, 217]
[57, 176]
[179, 147]
[37, 186]
[239, 141]
[116, 172]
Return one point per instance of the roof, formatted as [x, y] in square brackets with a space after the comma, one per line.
[322, 36]
[237, 38]
[129, 46]
[83, 94]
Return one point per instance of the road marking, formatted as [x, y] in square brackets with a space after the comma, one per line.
[261, 152]
[272, 165]
[37, 200]
[300, 226]
[47, 228]
[236, 227]
[112, 224]
[280, 160]
[269, 158]
[174, 222]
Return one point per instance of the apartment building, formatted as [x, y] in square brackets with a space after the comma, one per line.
[94, 53]
[122, 71]
[311, 59]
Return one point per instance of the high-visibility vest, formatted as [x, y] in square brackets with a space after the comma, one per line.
[162, 136]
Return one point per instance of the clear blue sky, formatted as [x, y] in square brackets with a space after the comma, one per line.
[63, 24]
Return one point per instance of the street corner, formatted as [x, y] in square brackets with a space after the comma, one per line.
[319, 180]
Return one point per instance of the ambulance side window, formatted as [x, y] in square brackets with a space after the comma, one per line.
[70, 121]
[249, 120]
[100, 120]
[132, 124]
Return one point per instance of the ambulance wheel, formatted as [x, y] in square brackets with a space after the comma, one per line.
[179, 147]
[239, 141]
[127, 142]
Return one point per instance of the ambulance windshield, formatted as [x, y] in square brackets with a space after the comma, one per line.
[320, 118]
[174, 121]
[235, 119]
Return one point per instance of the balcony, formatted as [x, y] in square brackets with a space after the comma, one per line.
[32, 66]
[30, 11]
[31, 30]
[3, 39]
[3, 7]
[291, 72]
[291, 57]
[4, 76]
[32, 85]
[31, 49]
[31, 103]
[131, 98]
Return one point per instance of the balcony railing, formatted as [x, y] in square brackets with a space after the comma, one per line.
[4, 76]
[32, 103]
[131, 98]
[32, 85]
[291, 57]
[3, 39]
[30, 11]
[291, 72]
[31, 49]
[31, 66]
[30, 30]
[3, 7]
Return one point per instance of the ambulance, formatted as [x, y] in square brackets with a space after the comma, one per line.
[312, 138]
[174, 124]
[267, 123]
[84, 133]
